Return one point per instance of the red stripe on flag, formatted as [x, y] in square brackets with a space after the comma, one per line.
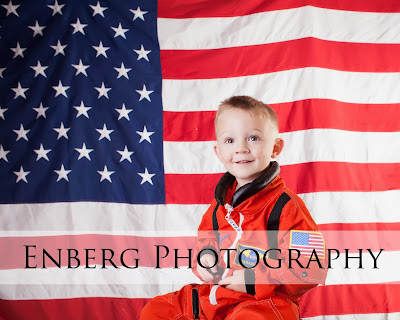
[293, 116]
[332, 114]
[343, 299]
[210, 8]
[341, 176]
[301, 178]
[78, 309]
[190, 188]
[395, 226]
[189, 126]
[224, 63]
[351, 299]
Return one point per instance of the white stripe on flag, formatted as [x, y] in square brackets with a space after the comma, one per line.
[103, 216]
[98, 276]
[387, 269]
[52, 291]
[283, 86]
[333, 146]
[352, 207]
[325, 207]
[364, 316]
[266, 27]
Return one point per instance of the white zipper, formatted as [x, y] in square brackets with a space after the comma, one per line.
[238, 228]
[239, 232]
[231, 221]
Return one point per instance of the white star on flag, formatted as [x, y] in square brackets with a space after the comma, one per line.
[21, 175]
[144, 135]
[18, 51]
[19, 91]
[103, 91]
[78, 26]
[123, 112]
[98, 9]
[62, 173]
[105, 174]
[80, 68]
[119, 31]
[2, 110]
[42, 153]
[1, 72]
[39, 69]
[84, 152]
[123, 71]
[125, 154]
[41, 111]
[22, 133]
[60, 89]
[3, 153]
[11, 8]
[144, 93]
[56, 7]
[37, 29]
[104, 133]
[142, 53]
[138, 13]
[101, 50]
[62, 131]
[59, 48]
[146, 176]
[82, 110]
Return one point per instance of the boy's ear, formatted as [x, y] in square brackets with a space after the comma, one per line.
[278, 146]
[216, 150]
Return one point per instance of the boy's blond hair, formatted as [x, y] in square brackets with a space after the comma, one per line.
[254, 106]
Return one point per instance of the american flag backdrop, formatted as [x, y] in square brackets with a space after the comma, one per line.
[106, 135]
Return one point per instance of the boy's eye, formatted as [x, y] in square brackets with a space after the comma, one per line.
[253, 138]
[228, 140]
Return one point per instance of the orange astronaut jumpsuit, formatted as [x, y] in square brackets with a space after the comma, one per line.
[240, 220]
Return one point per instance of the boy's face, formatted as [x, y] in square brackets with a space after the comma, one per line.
[245, 144]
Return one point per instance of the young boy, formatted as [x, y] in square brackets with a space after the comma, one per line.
[243, 278]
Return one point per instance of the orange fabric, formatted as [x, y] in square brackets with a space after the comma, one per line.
[277, 290]
[178, 305]
[256, 211]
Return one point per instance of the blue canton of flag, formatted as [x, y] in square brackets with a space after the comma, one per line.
[81, 111]
[300, 238]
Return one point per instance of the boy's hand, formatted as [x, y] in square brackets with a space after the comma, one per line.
[235, 282]
[207, 260]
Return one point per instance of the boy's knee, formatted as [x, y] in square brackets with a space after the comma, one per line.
[159, 308]
[146, 312]
[151, 310]
[266, 309]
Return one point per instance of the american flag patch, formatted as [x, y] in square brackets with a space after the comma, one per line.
[306, 241]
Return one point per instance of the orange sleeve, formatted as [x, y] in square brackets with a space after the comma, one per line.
[292, 278]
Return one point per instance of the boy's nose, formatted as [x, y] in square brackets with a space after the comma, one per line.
[242, 147]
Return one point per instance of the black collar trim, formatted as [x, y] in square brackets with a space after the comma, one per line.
[249, 189]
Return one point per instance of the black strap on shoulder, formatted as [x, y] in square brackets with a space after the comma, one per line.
[215, 222]
[273, 224]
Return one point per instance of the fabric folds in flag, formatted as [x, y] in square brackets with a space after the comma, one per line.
[106, 136]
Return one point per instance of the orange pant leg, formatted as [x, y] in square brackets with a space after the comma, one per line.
[272, 308]
[161, 308]
[178, 306]
[171, 306]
